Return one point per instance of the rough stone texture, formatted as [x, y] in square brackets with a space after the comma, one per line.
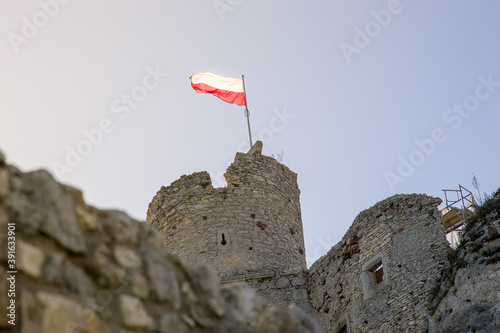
[58, 219]
[63, 314]
[249, 231]
[252, 225]
[88, 270]
[134, 314]
[467, 297]
[278, 288]
[30, 259]
[404, 233]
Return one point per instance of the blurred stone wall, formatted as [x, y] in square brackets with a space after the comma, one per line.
[68, 267]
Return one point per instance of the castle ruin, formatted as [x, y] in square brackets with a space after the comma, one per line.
[377, 278]
[71, 267]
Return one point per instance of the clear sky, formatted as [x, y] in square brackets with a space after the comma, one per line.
[365, 99]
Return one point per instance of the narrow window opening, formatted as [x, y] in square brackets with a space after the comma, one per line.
[343, 329]
[374, 275]
[223, 242]
[378, 273]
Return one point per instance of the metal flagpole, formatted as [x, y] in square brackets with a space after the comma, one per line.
[247, 113]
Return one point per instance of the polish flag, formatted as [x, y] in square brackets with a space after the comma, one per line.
[228, 89]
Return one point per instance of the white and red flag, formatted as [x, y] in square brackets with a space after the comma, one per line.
[228, 89]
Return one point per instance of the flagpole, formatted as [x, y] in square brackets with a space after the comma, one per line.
[247, 113]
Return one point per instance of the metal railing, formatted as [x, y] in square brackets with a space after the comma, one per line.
[461, 207]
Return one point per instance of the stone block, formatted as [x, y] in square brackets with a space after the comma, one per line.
[282, 283]
[172, 322]
[126, 257]
[4, 182]
[134, 314]
[30, 258]
[300, 294]
[140, 286]
[62, 314]
[49, 208]
[298, 281]
[163, 280]
[29, 318]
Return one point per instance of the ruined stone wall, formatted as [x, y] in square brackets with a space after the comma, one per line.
[467, 296]
[403, 233]
[80, 269]
[253, 225]
[278, 287]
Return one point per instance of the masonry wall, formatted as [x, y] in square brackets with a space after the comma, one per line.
[283, 288]
[467, 296]
[80, 269]
[252, 225]
[404, 234]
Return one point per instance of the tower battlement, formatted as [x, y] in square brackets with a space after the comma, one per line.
[252, 225]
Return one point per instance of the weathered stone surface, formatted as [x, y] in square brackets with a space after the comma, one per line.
[69, 277]
[61, 314]
[30, 258]
[110, 274]
[30, 311]
[402, 233]
[87, 218]
[299, 281]
[282, 283]
[134, 314]
[467, 297]
[107, 272]
[207, 285]
[58, 219]
[273, 319]
[4, 300]
[254, 223]
[4, 220]
[163, 280]
[126, 257]
[4, 182]
[140, 285]
[169, 321]
[120, 226]
[250, 230]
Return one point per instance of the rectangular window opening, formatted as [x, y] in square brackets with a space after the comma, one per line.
[378, 273]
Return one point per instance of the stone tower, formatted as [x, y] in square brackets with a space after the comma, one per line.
[251, 226]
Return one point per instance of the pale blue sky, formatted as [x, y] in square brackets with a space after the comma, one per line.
[350, 119]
